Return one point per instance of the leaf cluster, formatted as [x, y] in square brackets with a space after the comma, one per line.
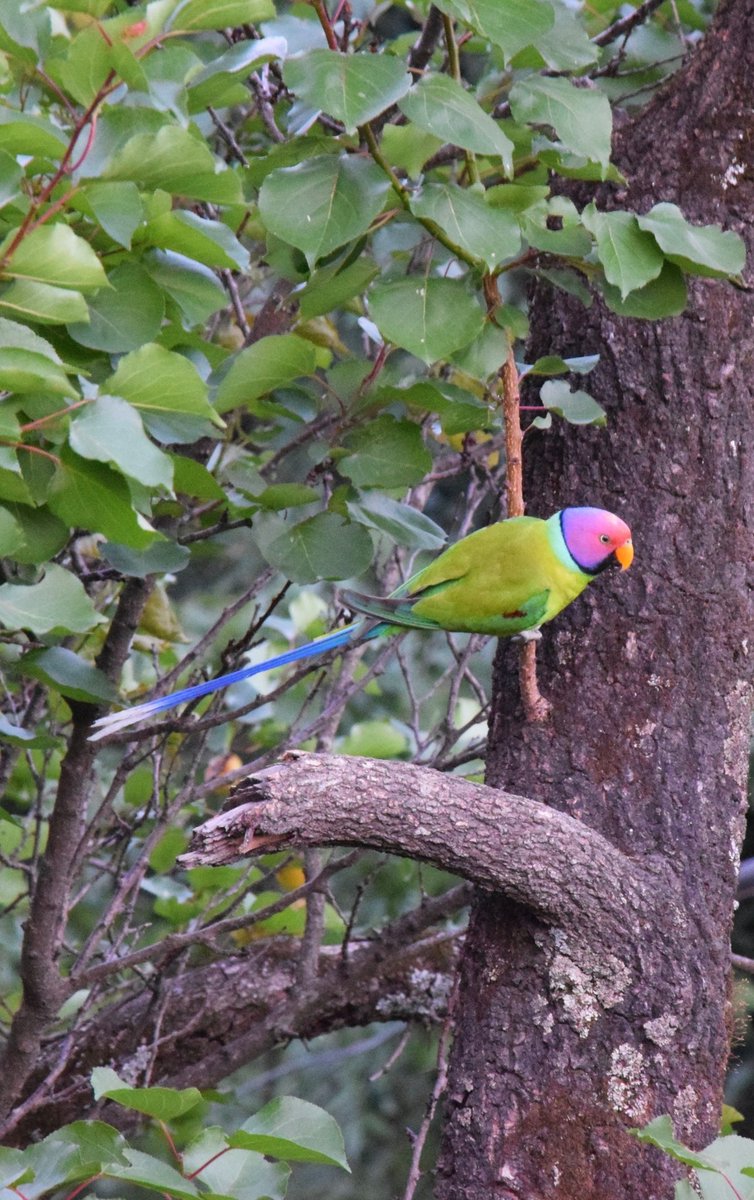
[199, 1160]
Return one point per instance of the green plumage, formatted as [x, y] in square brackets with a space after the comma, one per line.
[499, 581]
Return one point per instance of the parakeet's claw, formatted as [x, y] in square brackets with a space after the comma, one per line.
[527, 635]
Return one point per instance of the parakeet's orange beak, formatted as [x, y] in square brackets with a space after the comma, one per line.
[625, 555]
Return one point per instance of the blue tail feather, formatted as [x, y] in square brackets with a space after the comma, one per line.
[357, 632]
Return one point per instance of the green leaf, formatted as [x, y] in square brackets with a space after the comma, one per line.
[151, 1173]
[352, 88]
[24, 33]
[164, 1104]
[663, 297]
[158, 558]
[28, 363]
[571, 240]
[217, 14]
[173, 159]
[385, 453]
[459, 411]
[42, 303]
[552, 364]
[510, 24]
[11, 175]
[324, 547]
[38, 473]
[209, 242]
[23, 133]
[570, 282]
[55, 254]
[566, 46]
[212, 83]
[630, 257]
[578, 408]
[323, 202]
[117, 207]
[57, 604]
[440, 106]
[85, 66]
[10, 426]
[240, 1174]
[374, 739]
[491, 234]
[12, 538]
[408, 147]
[659, 1133]
[729, 1117]
[168, 392]
[193, 479]
[703, 250]
[405, 525]
[43, 533]
[68, 674]
[96, 1144]
[14, 1167]
[110, 430]
[13, 483]
[264, 365]
[51, 1163]
[327, 290]
[162, 859]
[123, 316]
[193, 286]
[94, 496]
[295, 1131]
[28, 740]
[580, 117]
[279, 496]
[415, 313]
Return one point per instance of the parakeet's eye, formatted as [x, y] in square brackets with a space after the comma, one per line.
[604, 538]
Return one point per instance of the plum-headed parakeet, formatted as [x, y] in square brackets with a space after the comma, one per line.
[507, 579]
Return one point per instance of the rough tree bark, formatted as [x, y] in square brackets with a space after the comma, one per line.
[557, 1052]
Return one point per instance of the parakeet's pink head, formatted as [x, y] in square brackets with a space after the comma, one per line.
[596, 539]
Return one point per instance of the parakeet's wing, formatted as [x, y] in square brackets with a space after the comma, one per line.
[400, 611]
[395, 610]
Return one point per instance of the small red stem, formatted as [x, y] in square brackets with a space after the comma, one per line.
[173, 1148]
[89, 142]
[204, 1165]
[77, 1191]
[32, 450]
[61, 412]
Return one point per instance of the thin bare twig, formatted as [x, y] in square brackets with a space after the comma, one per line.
[626, 24]
[441, 1082]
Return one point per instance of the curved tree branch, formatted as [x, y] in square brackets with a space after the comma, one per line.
[563, 871]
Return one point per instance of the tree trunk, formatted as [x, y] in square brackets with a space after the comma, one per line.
[559, 1052]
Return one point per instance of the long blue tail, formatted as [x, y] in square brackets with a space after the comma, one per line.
[357, 632]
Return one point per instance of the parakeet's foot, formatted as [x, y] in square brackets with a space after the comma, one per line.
[527, 635]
